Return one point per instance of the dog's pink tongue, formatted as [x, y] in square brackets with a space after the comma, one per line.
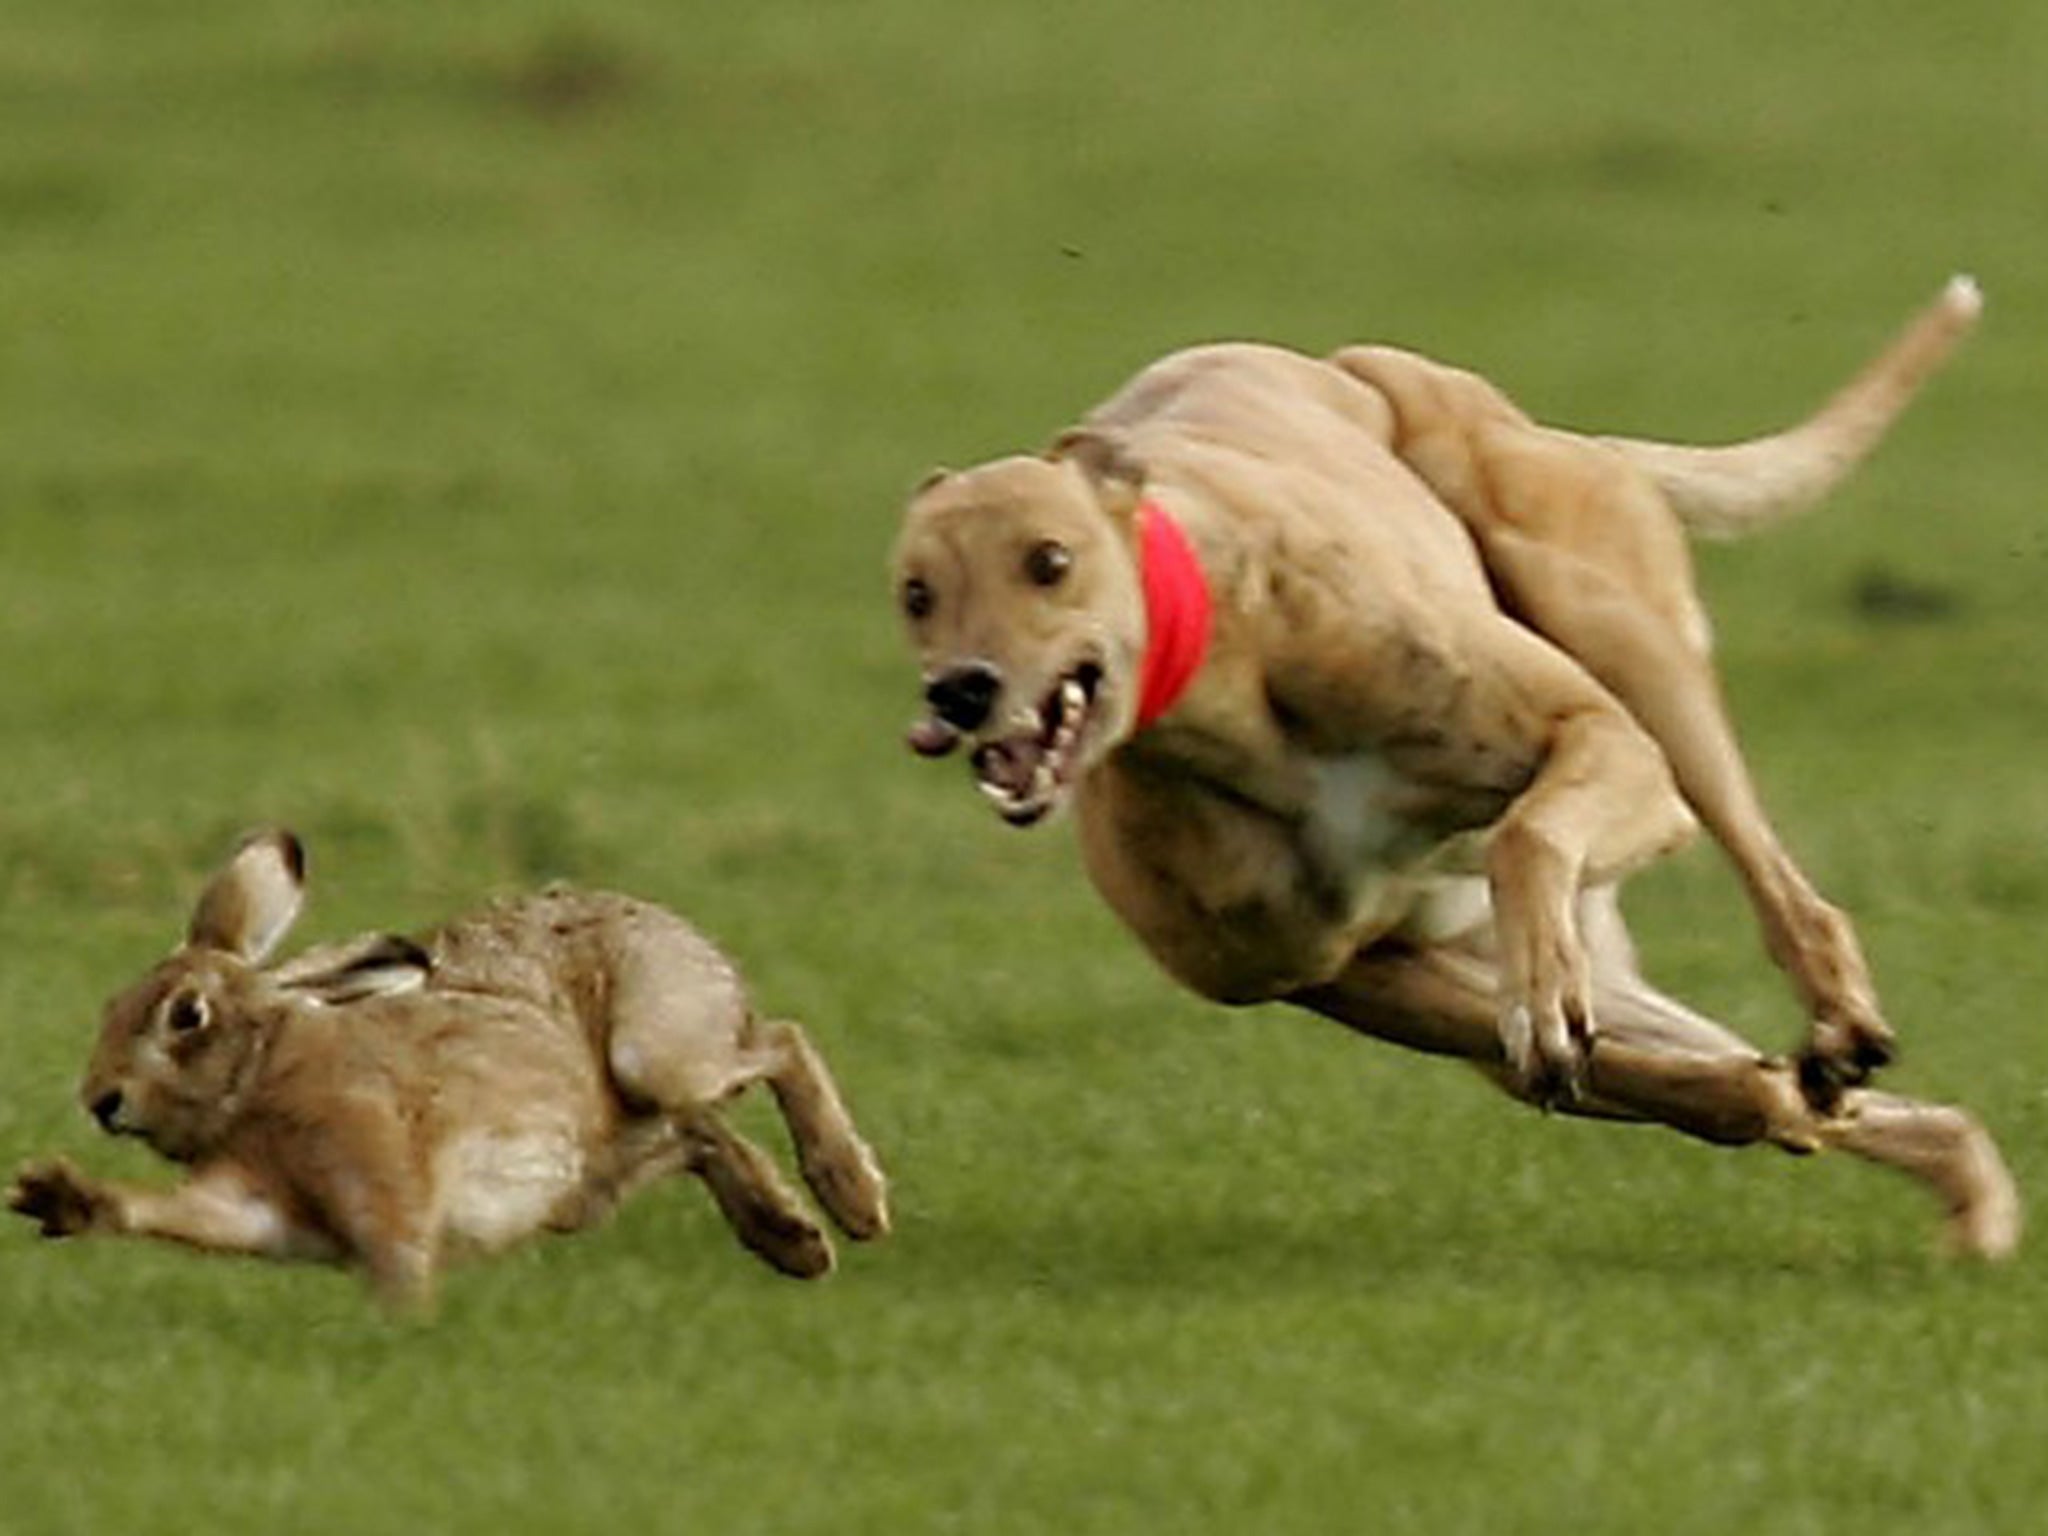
[932, 738]
[1009, 765]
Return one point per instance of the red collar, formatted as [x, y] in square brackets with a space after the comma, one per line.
[1179, 612]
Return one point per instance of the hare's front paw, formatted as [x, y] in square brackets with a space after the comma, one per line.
[61, 1201]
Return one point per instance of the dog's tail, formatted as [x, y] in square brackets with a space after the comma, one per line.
[1727, 491]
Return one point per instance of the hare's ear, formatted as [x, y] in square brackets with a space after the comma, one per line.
[246, 908]
[1118, 477]
[375, 965]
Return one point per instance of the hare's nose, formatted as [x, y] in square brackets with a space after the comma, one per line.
[107, 1108]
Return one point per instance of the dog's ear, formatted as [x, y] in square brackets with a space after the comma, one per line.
[1118, 478]
[931, 478]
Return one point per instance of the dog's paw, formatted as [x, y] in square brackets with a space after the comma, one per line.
[1841, 1054]
[61, 1201]
[1545, 1015]
[1984, 1215]
[1548, 1052]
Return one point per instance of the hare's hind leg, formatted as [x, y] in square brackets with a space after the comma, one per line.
[683, 1038]
[688, 1085]
[838, 1165]
[679, 1044]
[678, 1027]
[757, 1202]
[690, 1136]
[645, 1148]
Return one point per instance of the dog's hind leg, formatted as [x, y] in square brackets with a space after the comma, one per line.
[1654, 1059]
[1646, 1062]
[1643, 1059]
[1669, 685]
[1584, 548]
[1945, 1149]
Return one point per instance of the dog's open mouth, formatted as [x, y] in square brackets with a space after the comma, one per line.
[1026, 773]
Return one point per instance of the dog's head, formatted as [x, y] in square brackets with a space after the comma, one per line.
[1020, 586]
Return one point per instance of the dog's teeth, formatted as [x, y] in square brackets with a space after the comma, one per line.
[1073, 704]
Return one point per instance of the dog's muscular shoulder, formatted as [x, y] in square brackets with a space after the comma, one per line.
[1366, 707]
[1355, 621]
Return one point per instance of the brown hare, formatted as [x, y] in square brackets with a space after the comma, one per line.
[386, 1103]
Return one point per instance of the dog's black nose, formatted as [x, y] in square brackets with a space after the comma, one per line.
[107, 1108]
[964, 695]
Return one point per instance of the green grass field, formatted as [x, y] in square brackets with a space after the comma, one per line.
[472, 434]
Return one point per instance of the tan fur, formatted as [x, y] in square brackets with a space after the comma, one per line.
[1459, 688]
[386, 1105]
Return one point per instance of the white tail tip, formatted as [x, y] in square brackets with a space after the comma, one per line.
[1964, 298]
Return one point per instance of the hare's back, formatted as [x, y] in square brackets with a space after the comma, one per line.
[595, 955]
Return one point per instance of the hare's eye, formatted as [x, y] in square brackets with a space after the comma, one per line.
[186, 1013]
[918, 598]
[1048, 562]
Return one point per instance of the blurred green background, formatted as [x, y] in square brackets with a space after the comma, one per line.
[472, 434]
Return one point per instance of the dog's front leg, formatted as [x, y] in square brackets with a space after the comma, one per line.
[1601, 803]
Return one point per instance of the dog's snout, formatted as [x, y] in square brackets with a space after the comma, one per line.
[963, 696]
[107, 1108]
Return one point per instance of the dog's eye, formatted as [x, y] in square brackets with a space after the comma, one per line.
[917, 598]
[1048, 563]
[185, 1014]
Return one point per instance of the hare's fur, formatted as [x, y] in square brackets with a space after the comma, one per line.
[386, 1103]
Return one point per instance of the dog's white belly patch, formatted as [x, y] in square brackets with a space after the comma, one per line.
[1390, 867]
[498, 1187]
[1353, 827]
[1448, 907]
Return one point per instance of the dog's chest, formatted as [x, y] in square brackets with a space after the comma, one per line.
[1369, 839]
[1360, 819]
